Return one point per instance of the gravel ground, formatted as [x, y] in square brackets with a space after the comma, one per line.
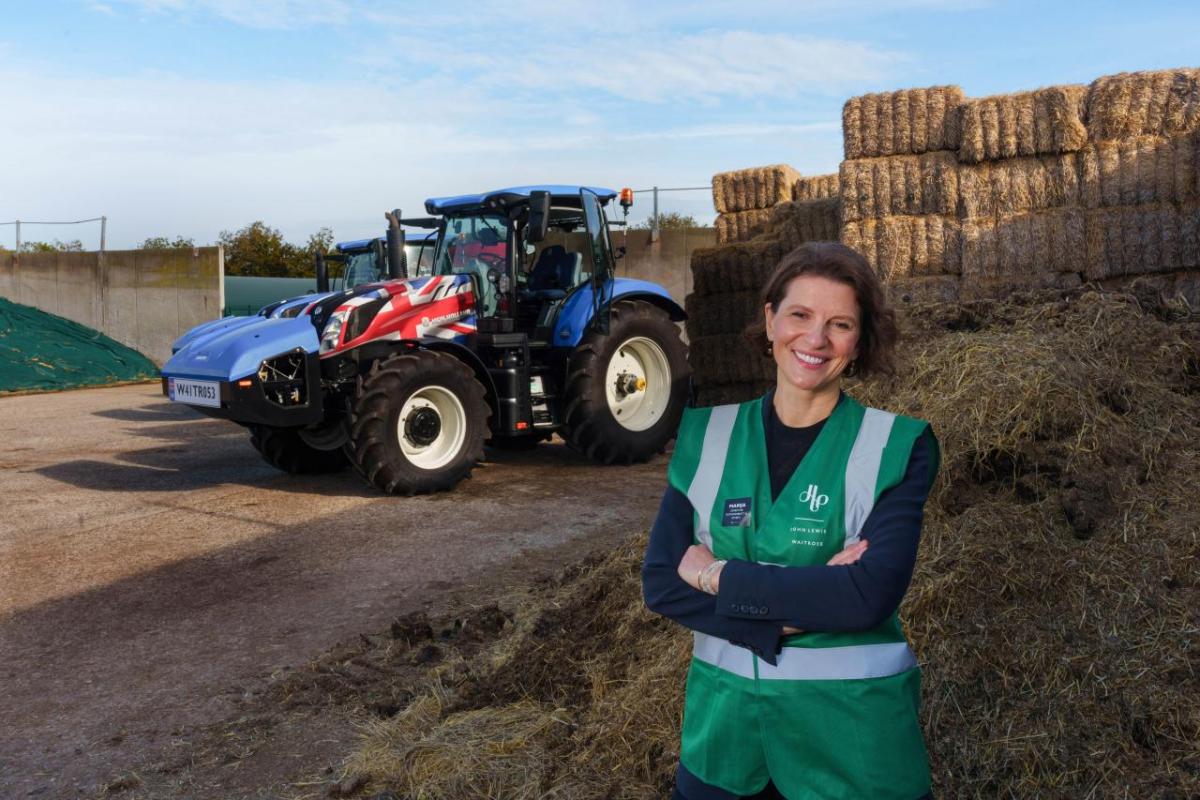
[153, 570]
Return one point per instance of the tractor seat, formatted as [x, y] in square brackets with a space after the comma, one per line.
[555, 273]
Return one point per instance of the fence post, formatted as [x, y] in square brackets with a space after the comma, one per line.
[18, 236]
[654, 218]
[103, 230]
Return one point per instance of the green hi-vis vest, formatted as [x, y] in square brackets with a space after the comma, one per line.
[836, 717]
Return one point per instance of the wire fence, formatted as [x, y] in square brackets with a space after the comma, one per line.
[686, 209]
[17, 223]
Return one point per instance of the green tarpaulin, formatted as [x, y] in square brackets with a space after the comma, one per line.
[39, 351]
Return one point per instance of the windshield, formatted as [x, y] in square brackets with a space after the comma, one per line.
[472, 243]
[360, 267]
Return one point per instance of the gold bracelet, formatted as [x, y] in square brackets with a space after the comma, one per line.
[706, 575]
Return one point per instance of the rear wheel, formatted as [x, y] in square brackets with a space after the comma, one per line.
[286, 449]
[419, 424]
[626, 390]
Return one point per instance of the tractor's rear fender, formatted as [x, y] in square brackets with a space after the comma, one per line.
[576, 313]
[374, 351]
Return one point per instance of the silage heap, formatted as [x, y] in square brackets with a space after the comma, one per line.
[43, 352]
[1054, 608]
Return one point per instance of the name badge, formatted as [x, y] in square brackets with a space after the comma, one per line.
[737, 513]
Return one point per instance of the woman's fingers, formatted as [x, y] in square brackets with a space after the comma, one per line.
[694, 560]
[850, 554]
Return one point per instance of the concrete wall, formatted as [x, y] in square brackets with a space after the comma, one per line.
[142, 298]
[666, 261]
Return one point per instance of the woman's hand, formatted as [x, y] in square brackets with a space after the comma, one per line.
[848, 555]
[694, 560]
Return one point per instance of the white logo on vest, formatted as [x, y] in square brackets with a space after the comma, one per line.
[812, 495]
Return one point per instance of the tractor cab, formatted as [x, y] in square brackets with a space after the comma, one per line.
[365, 260]
[530, 250]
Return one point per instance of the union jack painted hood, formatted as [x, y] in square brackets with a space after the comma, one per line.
[441, 306]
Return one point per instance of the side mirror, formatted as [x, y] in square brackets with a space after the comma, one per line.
[539, 216]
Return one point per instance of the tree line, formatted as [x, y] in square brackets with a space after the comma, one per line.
[258, 250]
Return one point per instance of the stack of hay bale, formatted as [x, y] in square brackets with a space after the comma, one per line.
[744, 199]
[899, 186]
[1140, 178]
[1019, 185]
[953, 198]
[764, 212]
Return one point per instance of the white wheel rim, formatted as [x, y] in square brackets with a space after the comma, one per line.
[449, 440]
[638, 361]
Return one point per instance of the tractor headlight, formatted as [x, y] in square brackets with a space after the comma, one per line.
[333, 330]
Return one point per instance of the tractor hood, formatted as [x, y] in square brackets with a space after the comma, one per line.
[211, 328]
[237, 351]
[280, 308]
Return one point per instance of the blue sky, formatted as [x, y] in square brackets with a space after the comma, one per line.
[186, 117]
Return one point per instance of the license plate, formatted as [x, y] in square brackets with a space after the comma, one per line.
[195, 393]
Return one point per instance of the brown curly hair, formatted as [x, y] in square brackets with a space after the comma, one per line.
[837, 262]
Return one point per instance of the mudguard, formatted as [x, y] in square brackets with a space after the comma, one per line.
[576, 313]
[236, 352]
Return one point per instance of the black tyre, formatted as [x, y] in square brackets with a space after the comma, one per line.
[284, 449]
[419, 424]
[626, 390]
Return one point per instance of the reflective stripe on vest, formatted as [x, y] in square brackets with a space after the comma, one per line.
[855, 662]
[862, 470]
[703, 490]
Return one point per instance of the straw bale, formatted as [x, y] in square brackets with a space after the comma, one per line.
[1018, 185]
[738, 226]
[734, 267]
[907, 246]
[756, 187]
[908, 121]
[811, 221]
[1144, 169]
[1044, 121]
[1133, 240]
[726, 359]
[816, 187]
[721, 314]
[1021, 246]
[1157, 103]
[911, 184]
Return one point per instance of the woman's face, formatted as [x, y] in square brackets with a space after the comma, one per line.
[814, 334]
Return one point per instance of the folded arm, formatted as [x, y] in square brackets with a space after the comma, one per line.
[851, 597]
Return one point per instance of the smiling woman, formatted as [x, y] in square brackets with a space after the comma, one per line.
[786, 540]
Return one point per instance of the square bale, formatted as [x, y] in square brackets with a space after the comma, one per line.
[909, 121]
[1043, 121]
[753, 188]
[1153, 103]
[899, 185]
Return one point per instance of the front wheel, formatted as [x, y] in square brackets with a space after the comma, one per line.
[288, 450]
[419, 424]
[626, 389]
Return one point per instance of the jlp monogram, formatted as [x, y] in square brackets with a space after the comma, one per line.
[812, 495]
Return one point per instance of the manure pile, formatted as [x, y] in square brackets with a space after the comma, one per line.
[956, 198]
[1055, 607]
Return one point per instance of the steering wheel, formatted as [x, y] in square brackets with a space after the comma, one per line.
[492, 260]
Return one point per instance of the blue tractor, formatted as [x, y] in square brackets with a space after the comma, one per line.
[514, 329]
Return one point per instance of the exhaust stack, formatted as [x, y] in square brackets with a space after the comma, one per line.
[397, 266]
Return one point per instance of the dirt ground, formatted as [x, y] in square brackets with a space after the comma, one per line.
[178, 619]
